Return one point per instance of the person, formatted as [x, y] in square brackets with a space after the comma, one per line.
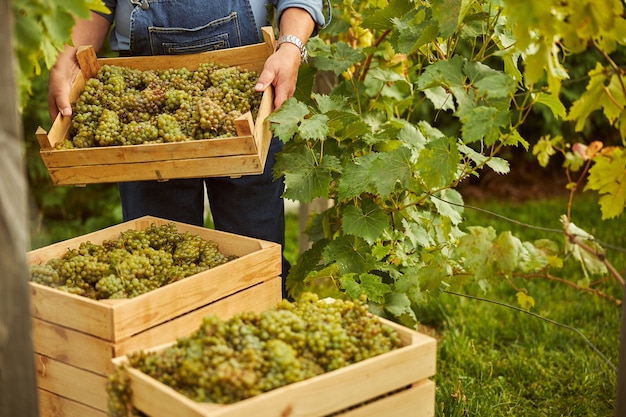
[249, 205]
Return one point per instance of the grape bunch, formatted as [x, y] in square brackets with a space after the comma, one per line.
[225, 361]
[137, 262]
[126, 106]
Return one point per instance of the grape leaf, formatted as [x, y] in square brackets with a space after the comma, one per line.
[441, 98]
[397, 167]
[506, 252]
[443, 73]
[340, 57]
[369, 284]
[315, 127]
[590, 262]
[356, 177]
[447, 13]
[553, 103]
[524, 300]
[590, 100]
[484, 123]
[381, 18]
[368, 221]
[351, 254]
[499, 165]
[450, 204]
[414, 31]
[608, 177]
[284, 122]
[417, 234]
[399, 305]
[544, 149]
[326, 104]
[305, 178]
[438, 162]
[474, 251]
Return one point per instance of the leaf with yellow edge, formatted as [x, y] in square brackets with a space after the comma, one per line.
[544, 149]
[608, 177]
[584, 248]
[524, 300]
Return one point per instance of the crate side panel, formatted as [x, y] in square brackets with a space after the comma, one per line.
[257, 298]
[71, 310]
[251, 57]
[157, 152]
[195, 291]
[367, 380]
[416, 401]
[72, 347]
[52, 405]
[71, 382]
[158, 400]
[223, 166]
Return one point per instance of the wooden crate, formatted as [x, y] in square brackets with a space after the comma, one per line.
[244, 154]
[75, 338]
[392, 384]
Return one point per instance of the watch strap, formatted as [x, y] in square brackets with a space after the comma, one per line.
[293, 39]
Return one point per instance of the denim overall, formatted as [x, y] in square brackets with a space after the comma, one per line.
[250, 205]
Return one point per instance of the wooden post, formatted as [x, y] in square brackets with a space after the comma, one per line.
[18, 388]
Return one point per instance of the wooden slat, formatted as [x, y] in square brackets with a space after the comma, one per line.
[52, 405]
[417, 401]
[225, 166]
[87, 61]
[257, 298]
[250, 57]
[73, 347]
[155, 152]
[71, 310]
[73, 383]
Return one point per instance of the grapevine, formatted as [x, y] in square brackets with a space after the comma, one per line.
[137, 262]
[225, 361]
[126, 106]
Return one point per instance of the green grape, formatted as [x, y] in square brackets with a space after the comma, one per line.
[124, 106]
[226, 361]
[109, 129]
[137, 262]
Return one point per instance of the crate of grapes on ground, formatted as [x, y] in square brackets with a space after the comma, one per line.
[307, 358]
[162, 117]
[131, 286]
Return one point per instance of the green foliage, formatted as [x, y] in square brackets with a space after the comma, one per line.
[428, 95]
[41, 29]
[608, 177]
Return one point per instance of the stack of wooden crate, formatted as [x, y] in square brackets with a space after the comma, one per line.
[76, 338]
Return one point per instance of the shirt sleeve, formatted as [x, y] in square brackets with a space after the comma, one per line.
[315, 8]
[110, 4]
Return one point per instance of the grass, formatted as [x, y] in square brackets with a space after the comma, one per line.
[493, 360]
[497, 361]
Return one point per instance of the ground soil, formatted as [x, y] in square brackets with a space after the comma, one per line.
[527, 180]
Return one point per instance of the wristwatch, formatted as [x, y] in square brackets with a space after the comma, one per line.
[304, 54]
